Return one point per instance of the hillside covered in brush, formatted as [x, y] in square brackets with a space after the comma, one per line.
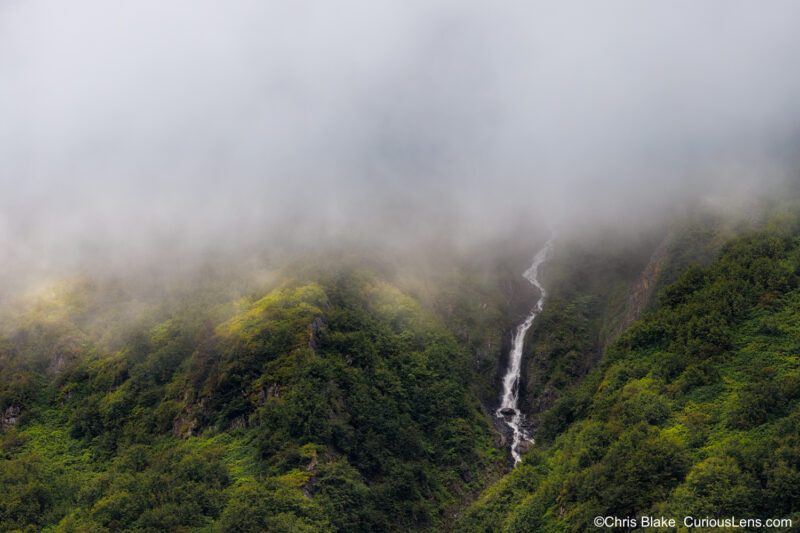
[693, 411]
[331, 402]
[336, 394]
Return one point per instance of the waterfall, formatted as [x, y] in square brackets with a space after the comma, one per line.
[509, 405]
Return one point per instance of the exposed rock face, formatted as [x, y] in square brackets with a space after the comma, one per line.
[184, 425]
[524, 446]
[642, 290]
[9, 418]
[57, 364]
[273, 392]
[238, 423]
[546, 399]
[308, 488]
[62, 354]
[313, 333]
[312, 466]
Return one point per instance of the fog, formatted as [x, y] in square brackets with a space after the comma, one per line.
[159, 130]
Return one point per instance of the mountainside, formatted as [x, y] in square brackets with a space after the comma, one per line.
[693, 411]
[602, 283]
[329, 404]
[339, 394]
[429, 266]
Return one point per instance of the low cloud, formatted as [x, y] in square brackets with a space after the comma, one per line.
[132, 130]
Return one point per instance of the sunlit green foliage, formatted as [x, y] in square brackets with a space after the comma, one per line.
[333, 400]
[693, 411]
[331, 403]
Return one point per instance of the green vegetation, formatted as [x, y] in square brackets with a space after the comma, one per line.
[328, 404]
[588, 283]
[337, 398]
[481, 302]
[693, 411]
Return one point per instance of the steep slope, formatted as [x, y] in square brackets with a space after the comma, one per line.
[693, 410]
[333, 402]
[601, 282]
[351, 391]
[588, 282]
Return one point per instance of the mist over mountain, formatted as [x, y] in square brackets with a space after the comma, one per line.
[136, 131]
[432, 265]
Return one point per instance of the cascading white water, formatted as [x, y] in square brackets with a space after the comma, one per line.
[509, 409]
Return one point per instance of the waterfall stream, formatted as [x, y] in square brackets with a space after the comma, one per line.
[509, 405]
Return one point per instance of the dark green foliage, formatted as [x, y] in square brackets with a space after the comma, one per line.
[329, 404]
[588, 284]
[693, 411]
[272, 507]
[335, 401]
[27, 494]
